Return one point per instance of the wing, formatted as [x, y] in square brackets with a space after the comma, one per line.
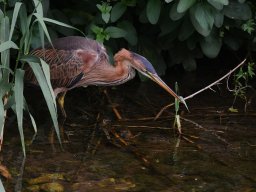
[67, 67]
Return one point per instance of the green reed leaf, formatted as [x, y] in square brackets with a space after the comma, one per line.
[8, 45]
[19, 101]
[14, 18]
[47, 92]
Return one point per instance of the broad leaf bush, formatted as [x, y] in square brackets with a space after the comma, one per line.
[167, 32]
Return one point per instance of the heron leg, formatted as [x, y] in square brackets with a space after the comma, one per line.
[61, 100]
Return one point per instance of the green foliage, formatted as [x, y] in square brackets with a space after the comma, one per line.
[18, 23]
[199, 28]
[241, 81]
[249, 26]
[1, 186]
[153, 10]
[105, 11]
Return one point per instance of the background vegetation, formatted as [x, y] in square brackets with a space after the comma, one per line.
[167, 32]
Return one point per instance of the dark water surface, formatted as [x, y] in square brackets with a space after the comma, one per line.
[216, 153]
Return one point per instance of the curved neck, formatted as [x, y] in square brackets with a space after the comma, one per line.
[108, 75]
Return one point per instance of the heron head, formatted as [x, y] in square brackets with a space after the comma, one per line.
[142, 65]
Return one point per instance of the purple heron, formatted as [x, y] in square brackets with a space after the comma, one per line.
[78, 61]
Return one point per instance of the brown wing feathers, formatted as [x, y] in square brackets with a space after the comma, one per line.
[64, 66]
[69, 60]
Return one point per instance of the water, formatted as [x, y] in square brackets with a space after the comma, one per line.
[216, 152]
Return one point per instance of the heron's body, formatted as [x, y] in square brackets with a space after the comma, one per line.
[79, 61]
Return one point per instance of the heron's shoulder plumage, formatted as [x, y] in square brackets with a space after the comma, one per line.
[74, 43]
[70, 57]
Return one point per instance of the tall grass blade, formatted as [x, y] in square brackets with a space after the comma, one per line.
[19, 100]
[1, 186]
[23, 20]
[8, 45]
[46, 70]
[30, 115]
[2, 120]
[14, 18]
[6, 68]
[46, 89]
[5, 55]
[39, 7]
[62, 24]
[41, 21]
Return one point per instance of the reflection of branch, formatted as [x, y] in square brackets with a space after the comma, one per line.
[205, 88]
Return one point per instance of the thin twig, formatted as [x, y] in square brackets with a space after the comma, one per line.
[215, 82]
[201, 90]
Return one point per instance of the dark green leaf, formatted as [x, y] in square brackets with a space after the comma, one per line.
[167, 26]
[184, 5]
[11, 3]
[218, 4]
[202, 18]
[105, 17]
[211, 45]
[131, 34]
[1, 14]
[153, 10]
[130, 3]
[115, 32]
[250, 70]
[95, 29]
[238, 11]
[117, 11]
[218, 19]
[174, 15]
[186, 29]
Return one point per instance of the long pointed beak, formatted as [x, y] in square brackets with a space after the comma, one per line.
[162, 84]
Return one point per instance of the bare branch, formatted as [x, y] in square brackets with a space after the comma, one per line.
[201, 90]
[215, 82]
